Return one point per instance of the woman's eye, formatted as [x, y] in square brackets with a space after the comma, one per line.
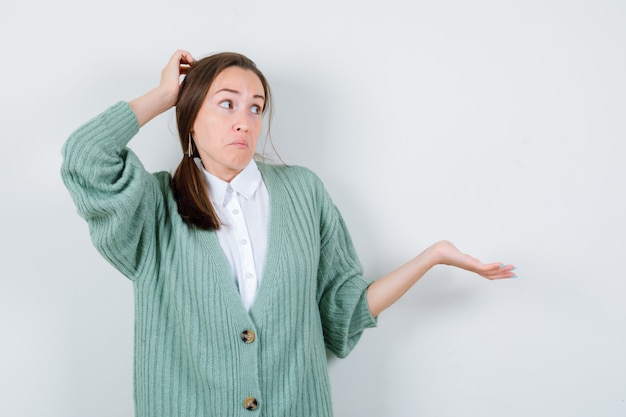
[227, 104]
[256, 109]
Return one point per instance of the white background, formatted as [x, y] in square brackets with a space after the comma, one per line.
[496, 124]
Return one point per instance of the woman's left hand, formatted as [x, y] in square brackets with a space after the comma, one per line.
[447, 254]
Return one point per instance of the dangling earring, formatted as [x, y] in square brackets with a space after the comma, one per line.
[190, 148]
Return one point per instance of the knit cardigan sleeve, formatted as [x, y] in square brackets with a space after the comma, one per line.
[341, 287]
[111, 189]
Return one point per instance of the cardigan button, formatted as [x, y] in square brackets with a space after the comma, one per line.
[248, 336]
[250, 403]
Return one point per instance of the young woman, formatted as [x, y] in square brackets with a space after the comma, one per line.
[244, 273]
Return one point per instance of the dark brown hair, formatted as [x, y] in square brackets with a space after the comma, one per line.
[188, 183]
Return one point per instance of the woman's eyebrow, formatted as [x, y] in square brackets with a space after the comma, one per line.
[230, 90]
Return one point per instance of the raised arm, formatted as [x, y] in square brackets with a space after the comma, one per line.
[387, 290]
[163, 97]
[119, 199]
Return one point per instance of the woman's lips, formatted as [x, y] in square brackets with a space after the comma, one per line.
[242, 144]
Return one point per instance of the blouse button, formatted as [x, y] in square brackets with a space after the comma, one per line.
[248, 336]
[250, 403]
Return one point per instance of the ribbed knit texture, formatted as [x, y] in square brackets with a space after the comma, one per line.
[190, 359]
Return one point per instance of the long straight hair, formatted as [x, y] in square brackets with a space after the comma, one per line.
[188, 183]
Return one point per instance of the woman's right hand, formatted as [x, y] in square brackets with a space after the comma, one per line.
[164, 96]
[177, 66]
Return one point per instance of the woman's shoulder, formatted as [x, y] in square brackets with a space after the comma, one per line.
[297, 181]
[287, 172]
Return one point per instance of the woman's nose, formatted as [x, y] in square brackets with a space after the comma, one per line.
[240, 125]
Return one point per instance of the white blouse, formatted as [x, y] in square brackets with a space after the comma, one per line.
[243, 208]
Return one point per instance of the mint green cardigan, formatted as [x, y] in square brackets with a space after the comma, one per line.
[198, 352]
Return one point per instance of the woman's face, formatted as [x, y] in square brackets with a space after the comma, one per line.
[229, 122]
